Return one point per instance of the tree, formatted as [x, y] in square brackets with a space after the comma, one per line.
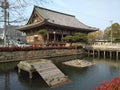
[114, 31]
[68, 38]
[107, 33]
[16, 11]
[43, 32]
[95, 36]
[80, 37]
[91, 37]
[77, 37]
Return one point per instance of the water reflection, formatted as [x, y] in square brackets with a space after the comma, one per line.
[28, 83]
[111, 63]
[82, 78]
[71, 70]
[5, 69]
[114, 65]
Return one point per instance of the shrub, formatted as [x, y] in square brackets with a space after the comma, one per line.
[114, 84]
[9, 49]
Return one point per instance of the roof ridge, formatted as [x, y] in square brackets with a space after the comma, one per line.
[55, 11]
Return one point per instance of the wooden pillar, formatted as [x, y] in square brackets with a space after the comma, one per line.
[104, 54]
[54, 35]
[62, 37]
[47, 37]
[117, 55]
[30, 75]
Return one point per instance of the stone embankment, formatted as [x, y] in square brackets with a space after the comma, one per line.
[6, 56]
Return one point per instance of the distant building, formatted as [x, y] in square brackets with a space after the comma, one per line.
[12, 34]
[57, 24]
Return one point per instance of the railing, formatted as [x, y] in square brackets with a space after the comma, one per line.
[114, 46]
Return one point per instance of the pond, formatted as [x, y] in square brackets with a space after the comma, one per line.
[81, 78]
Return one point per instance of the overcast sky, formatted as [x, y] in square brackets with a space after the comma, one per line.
[95, 13]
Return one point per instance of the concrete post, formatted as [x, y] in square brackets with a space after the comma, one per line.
[93, 53]
[30, 75]
[117, 55]
[110, 55]
[98, 53]
[104, 54]
[5, 6]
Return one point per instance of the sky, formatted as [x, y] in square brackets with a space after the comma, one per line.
[94, 13]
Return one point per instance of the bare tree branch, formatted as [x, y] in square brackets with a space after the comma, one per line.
[17, 9]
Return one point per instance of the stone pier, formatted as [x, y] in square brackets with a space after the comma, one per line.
[111, 51]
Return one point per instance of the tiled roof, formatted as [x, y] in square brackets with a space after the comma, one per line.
[57, 18]
[61, 18]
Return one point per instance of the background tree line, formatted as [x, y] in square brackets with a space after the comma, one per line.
[111, 32]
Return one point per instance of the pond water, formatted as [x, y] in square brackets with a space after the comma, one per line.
[81, 78]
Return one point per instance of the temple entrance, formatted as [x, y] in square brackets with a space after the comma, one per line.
[55, 37]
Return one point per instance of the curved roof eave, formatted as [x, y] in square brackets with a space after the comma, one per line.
[29, 26]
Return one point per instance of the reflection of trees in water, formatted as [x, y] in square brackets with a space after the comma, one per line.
[35, 83]
[114, 65]
[67, 70]
[62, 58]
[7, 81]
[72, 71]
[5, 69]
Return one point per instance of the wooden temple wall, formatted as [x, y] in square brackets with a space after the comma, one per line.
[53, 32]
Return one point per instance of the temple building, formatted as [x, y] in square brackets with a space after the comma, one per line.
[57, 25]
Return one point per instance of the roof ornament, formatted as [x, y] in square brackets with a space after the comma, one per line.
[48, 20]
